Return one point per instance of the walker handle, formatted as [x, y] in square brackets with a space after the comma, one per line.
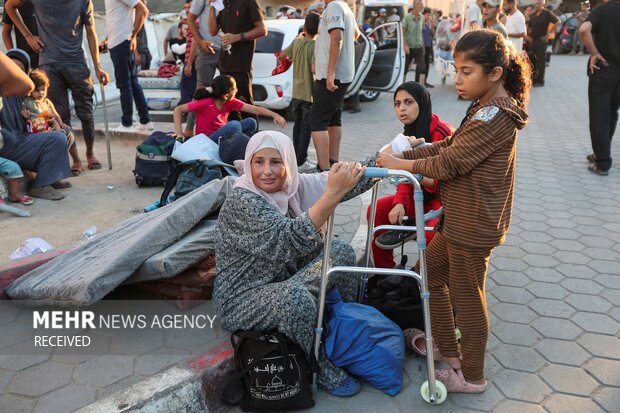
[376, 173]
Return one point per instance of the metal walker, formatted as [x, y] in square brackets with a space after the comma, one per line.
[432, 390]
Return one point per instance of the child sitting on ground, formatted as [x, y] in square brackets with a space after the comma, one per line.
[13, 174]
[212, 108]
[476, 171]
[41, 116]
[301, 52]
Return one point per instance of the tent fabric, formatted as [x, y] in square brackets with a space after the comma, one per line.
[88, 272]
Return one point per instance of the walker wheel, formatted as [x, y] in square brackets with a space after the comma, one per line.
[440, 392]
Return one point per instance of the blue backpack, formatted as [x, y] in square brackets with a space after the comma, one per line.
[153, 166]
[365, 343]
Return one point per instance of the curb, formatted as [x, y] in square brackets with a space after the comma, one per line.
[15, 269]
[195, 386]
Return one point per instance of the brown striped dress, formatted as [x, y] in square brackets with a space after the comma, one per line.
[476, 171]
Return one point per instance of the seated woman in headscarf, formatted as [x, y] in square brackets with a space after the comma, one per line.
[269, 247]
[412, 106]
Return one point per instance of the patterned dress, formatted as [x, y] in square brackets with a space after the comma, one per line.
[269, 271]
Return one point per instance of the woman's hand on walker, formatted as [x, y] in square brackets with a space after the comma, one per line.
[343, 177]
[388, 161]
[397, 214]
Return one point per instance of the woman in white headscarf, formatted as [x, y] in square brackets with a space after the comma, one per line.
[269, 246]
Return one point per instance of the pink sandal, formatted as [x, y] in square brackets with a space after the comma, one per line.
[414, 341]
[24, 200]
[455, 382]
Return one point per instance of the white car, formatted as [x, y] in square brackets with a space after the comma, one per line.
[377, 68]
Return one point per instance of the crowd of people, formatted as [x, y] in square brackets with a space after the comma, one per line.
[269, 238]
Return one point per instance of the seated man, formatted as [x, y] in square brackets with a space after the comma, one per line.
[44, 153]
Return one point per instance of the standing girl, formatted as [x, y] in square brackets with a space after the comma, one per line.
[212, 109]
[476, 170]
[412, 106]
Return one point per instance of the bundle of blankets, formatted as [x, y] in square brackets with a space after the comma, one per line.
[169, 251]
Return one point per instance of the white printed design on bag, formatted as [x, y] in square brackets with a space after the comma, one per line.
[268, 375]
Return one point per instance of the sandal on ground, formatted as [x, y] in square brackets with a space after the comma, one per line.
[455, 382]
[414, 340]
[61, 185]
[348, 388]
[46, 192]
[76, 170]
[23, 199]
[93, 163]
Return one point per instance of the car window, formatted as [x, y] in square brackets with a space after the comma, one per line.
[271, 43]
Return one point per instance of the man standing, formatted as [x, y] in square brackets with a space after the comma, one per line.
[600, 34]
[27, 13]
[61, 24]
[123, 28]
[381, 34]
[334, 57]
[473, 20]
[391, 29]
[490, 14]
[515, 24]
[241, 22]
[538, 35]
[172, 31]
[428, 33]
[208, 50]
[413, 23]
[581, 16]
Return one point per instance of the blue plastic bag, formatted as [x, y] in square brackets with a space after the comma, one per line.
[365, 343]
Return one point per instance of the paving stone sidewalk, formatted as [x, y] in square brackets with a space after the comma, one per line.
[553, 288]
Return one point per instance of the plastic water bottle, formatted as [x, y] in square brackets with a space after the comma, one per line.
[89, 232]
[152, 207]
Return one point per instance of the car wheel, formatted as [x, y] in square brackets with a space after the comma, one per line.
[368, 95]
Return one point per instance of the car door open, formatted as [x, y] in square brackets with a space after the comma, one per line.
[388, 64]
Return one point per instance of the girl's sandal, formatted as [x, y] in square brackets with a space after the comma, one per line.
[455, 381]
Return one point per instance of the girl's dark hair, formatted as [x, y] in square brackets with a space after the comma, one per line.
[490, 50]
[220, 86]
[39, 78]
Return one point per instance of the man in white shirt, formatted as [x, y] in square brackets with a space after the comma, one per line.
[473, 18]
[515, 24]
[124, 19]
[334, 57]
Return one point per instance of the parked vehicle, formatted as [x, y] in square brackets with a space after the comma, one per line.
[274, 91]
[377, 68]
[564, 39]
